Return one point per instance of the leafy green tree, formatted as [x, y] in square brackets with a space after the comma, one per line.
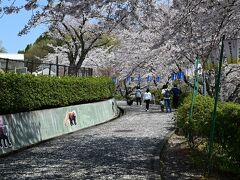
[34, 53]
[39, 49]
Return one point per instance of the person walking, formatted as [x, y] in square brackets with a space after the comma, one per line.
[147, 98]
[166, 96]
[175, 91]
[138, 96]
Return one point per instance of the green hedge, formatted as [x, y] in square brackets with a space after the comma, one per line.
[158, 95]
[201, 115]
[227, 131]
[23, 92]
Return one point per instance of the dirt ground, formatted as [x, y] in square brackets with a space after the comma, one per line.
[177, 164]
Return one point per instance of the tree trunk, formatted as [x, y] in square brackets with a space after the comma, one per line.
[72, 65]
[72, 70]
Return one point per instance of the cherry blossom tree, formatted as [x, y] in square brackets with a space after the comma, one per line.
[132, 57]
[157, 36]
[81, 25]
[195, 28]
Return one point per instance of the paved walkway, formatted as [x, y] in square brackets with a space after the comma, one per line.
[126, 148]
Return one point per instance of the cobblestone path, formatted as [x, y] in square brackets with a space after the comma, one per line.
[125, 148]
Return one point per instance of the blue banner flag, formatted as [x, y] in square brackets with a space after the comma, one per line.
[180, 75]
[158, 79]
[173, 76]
[139, 77]
[149, 78]
[115, 80]
[132, 79]
[128, 78]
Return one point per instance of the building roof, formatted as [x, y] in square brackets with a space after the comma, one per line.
[12, 56]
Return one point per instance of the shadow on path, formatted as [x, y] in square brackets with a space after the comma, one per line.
[121, 149]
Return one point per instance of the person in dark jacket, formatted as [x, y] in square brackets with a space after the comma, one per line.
[175, 91]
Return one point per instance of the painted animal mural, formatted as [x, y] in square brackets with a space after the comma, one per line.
[71, 117]
[4, 135]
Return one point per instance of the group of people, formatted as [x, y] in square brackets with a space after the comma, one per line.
[147, 97]
[165, 101]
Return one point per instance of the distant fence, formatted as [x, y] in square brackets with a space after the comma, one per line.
[39, 68]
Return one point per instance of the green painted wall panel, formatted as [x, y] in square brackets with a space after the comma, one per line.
[24, 129]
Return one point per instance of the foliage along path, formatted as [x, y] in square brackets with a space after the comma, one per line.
[126, 148]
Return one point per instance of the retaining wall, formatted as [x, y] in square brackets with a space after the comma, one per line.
[28, 128]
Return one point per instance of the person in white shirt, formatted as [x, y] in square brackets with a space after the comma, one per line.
[147, 98]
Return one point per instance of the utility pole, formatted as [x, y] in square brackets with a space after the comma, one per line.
[213, 120]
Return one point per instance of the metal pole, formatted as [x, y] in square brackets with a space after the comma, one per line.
[7, 61]
[64, 67]
[50, 69]
[213, 120]
[57, 65]
[32, 67]
[91, 74]
[204, 84]
[83, 71]
[194, 93]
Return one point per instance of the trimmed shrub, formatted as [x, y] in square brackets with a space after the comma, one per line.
[158, 95]
[23, 92]
[227, 131]
[201, 116]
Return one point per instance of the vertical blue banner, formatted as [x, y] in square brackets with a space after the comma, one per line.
[139, 78]
[128, 79]
[158, 79]
[173, 76]
[149, 78]
[115, 80]
[180, 75]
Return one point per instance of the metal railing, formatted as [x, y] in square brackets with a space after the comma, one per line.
[39, 68]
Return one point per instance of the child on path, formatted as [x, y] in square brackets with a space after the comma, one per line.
[162, 104]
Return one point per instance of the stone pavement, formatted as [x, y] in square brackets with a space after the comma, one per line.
[125, 148]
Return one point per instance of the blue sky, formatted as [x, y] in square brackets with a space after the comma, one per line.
[10, 25]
